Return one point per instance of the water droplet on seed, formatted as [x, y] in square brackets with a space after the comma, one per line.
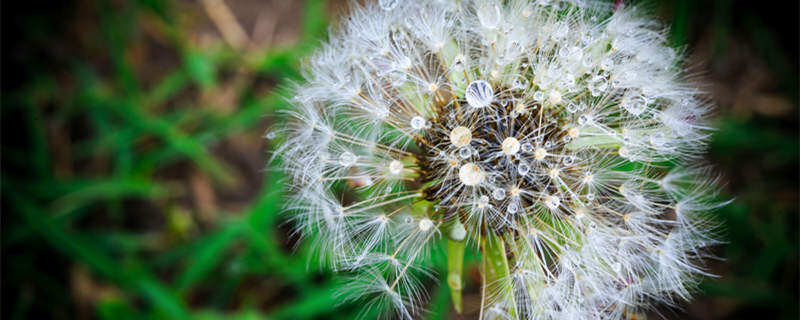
[572, 107]
[483, 201]
[523, 169]
[395, 167]
[635, 104]
[498, 194]
[479, 94]
[418, 122]
[538, 96]
[526, 147]
[347, 159]
[583, 119]
[388, 4]
[512, 208]
[464, 152]
[658, 139]
[489, 15]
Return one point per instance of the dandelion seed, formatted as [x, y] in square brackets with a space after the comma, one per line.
[510, 146]
[460, 136]
[470, 174]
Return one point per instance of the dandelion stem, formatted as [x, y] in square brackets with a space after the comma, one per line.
[455, 268]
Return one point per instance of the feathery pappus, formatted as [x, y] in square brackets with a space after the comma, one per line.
[557, 139]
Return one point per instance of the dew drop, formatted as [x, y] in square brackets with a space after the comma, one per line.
[590, 196]
[458, 62]
[572, 107]
[489, 15]
[512, 208]
[464, 152]
[538, 96]
[552, 202]
[575, 54]
[425, 224]
[347, 159]
[658, 139]
[398, 78]
[554, 97]
[635, 104]
[388, 4]
[561, 30]
[523, 169]
[498, 194]
[395, 167]
[483, 201]
[270, 135]
[520, 83]
[624, 152]
[599, 84]
[526, 147]
[583, 119]
[479, 94]
[418, 122]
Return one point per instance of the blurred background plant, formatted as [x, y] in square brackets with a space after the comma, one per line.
[135, 183]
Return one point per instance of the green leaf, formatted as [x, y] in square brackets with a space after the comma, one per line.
[200, 68]
[207, 254]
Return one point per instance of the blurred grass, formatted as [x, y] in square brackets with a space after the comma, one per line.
[134, 186]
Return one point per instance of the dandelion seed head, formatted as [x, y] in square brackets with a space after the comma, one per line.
[424, 120]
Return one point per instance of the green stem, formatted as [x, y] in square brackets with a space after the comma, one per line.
[455, 269]
[496, 269]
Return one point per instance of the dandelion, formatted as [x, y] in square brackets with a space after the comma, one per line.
[556, 138]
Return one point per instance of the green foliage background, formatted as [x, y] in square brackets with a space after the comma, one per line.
[135, 181]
